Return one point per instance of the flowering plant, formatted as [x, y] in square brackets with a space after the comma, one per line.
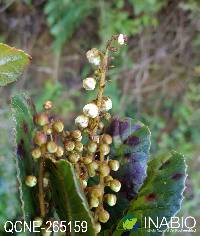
[97, 173]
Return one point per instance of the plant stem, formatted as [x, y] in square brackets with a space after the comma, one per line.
[99, 102]
[41, 190]
[102, 79]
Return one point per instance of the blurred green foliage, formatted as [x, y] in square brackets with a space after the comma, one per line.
[9, 200]
[65, 16]
[9, 207]
[176, 125]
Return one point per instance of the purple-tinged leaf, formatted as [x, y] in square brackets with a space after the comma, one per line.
[160, 196]
[131, 144]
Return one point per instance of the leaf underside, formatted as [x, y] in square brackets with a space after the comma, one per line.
[12, 63]
[70, 202]
[161, 194]
[23, 111]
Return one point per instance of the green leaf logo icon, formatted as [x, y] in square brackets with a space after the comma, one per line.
[129, 223]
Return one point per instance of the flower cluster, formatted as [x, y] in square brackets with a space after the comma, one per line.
[91, 159]
[95, 159]
[45, 139]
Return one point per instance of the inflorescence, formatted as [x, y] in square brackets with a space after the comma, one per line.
[90, 158]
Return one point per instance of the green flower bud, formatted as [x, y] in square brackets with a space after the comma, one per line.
[87, 160]
[58, 126]
[40, 138]
[103, 216]
[110, 199]
[38, 221]
[114, 165]
[76, 134]
[36, 153]
[96, 191]
[91, 172]
[104, 169]
[31, 181]
[97, 227]
[52, 147]
[47, 129]
[105, 149]
[92, 167]
[74, 157]
[115, 185]
[60, 151]
[107, 180]
[93, 202]
[107, 139]
[78, 146]
[69, 146]
[41, 119]
[92, 147]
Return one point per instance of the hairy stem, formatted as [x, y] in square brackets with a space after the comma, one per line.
[102, 79]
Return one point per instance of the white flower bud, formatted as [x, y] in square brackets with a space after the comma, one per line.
[93, 56]
[91, 110]
[121, 39]
[106, 104]
[82, 121]
[89, 83]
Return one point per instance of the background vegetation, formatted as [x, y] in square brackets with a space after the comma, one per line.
[157, 78]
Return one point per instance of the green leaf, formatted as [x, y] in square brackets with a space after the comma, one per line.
[12, 63]
[69, 200]
[162, 193]
[23, 111]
